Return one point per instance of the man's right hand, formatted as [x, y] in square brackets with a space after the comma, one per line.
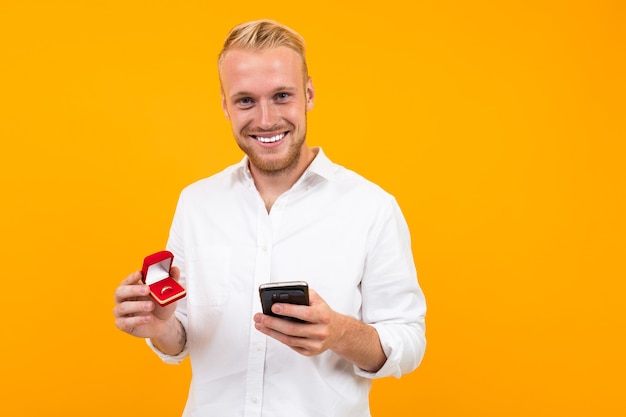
[137, 314]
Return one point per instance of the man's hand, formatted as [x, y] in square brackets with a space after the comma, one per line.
[137, 314]
[324, 329]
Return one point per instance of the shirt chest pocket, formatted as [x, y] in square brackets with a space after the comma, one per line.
[209, 275]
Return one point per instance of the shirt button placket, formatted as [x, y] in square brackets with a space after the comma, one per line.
[257, 342]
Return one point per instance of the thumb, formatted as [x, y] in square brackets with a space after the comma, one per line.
[175, 273]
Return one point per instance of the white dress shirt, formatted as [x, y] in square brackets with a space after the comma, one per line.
[342, 234]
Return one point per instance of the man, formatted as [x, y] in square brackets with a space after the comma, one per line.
[284, 213]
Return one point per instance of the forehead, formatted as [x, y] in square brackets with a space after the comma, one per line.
[251, 70]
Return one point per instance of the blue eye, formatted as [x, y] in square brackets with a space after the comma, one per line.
[244, 102]
[282, 96]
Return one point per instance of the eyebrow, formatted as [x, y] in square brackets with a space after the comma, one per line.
[250, 94]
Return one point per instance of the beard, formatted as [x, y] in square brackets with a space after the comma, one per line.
[268, 161]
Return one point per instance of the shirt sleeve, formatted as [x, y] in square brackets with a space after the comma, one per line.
[393, 302]
[172, 359]
[175, 244]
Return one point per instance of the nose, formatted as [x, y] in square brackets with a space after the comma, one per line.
[267, 115]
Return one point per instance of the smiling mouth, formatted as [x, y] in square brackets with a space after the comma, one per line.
[269, 139]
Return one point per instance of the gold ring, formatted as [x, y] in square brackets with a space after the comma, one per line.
[165, 289]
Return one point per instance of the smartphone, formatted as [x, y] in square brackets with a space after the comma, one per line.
[291, 292]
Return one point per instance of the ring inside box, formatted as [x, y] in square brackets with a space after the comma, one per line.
[156, 273]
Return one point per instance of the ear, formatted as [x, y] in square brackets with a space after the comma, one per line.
[309, 94]
[224, 107]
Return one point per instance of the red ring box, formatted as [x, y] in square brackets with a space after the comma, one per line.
[156, 273]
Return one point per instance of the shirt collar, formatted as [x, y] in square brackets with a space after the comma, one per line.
[321, 166]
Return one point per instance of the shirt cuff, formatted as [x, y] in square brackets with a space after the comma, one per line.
[403, 354]
[172, 359]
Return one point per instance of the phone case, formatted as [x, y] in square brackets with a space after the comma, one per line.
[292, 292]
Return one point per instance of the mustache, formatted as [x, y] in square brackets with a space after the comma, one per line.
[273, 129]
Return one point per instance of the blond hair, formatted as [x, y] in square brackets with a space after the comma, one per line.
[261, 35]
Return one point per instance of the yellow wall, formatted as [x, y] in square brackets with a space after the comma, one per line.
[499, 126]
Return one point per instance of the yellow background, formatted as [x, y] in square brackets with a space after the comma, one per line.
[499, 127]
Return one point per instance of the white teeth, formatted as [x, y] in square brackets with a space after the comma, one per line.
[270, 139]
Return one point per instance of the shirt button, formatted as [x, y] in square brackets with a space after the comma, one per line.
[259, 348]
[254, 400]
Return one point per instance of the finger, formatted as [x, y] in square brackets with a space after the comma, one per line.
[132, 308]
[133, 278]
[302, 345]
[282, 326]
[273, 327]
[304, 313]
[315, 298]
[302, 351]
[132, 325]
[175, 273]
[129, 291]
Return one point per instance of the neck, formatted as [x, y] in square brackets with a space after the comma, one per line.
[272, 185]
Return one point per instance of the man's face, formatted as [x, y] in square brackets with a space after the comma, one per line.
[265, 96]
